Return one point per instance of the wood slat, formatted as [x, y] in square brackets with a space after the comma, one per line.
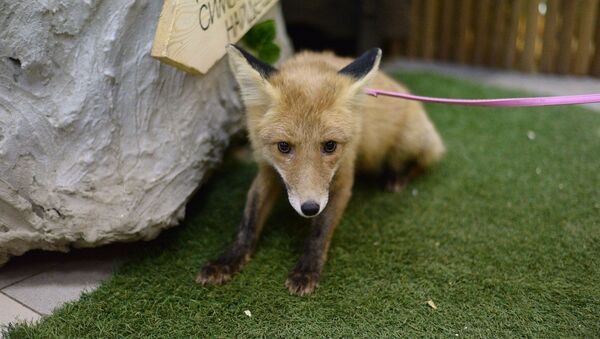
[430, 27]
[510, 45]
[504, 33]
[446, 29]
[498, 33]
[569, 10]
[528, 56]
[482, 32]
[414, 25]
[550, 39]
[587, 23]
[595, 71]
[464, 16]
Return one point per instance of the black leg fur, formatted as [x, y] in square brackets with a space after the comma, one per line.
[231, 261]
[305, 276]
[397, 180]
[260, 200]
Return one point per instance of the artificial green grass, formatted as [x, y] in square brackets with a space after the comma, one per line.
[503, 236]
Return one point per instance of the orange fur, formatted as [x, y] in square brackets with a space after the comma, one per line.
[307, 103]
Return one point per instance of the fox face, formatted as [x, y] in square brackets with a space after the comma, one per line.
[306, 156]
[304, 119]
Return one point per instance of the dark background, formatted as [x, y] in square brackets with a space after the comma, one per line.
[348, 27]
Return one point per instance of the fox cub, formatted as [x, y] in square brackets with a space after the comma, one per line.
[311, 127]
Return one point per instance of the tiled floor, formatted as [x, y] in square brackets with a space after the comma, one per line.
[12, 311]
[33, 285]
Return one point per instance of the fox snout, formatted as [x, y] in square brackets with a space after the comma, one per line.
[307, 185]
[308, 207]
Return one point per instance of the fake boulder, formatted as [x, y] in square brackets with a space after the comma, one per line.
[99, 142]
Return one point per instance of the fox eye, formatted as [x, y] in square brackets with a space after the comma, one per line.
[329, 146]
[283, 147]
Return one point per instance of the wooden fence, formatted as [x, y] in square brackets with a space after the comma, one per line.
[551, 36]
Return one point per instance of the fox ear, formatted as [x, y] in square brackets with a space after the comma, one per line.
[251, 74]
[363, 69]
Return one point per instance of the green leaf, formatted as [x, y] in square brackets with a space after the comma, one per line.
[260, 40]
[261, 34]
[269, 53]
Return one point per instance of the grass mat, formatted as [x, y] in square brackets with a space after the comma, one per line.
[503, 236]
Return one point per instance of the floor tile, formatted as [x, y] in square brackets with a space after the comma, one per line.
[23, 267]
[62, 283]
[12, 312]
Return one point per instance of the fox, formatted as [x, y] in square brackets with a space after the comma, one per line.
[312, 128]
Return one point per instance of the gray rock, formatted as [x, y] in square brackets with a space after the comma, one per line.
[99, 142]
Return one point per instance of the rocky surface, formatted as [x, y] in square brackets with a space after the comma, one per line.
[99, 142]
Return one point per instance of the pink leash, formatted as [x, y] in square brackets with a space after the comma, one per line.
[504, 102]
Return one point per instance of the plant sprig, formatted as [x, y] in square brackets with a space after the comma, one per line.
[260, 39]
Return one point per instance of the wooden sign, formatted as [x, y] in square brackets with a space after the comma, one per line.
[192, 34]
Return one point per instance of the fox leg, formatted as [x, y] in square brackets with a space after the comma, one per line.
[398, 179]
[261, 196]
[304, 278]
[414, 151]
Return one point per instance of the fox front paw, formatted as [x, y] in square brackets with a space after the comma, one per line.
[221, 270]
[215, 274]
[396, 185]
[302, 283]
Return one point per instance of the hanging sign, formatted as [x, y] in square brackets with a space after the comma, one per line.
[192, 34]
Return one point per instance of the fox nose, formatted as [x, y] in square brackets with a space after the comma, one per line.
[310, 208]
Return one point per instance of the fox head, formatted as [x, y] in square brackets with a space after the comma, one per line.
[304, 119]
